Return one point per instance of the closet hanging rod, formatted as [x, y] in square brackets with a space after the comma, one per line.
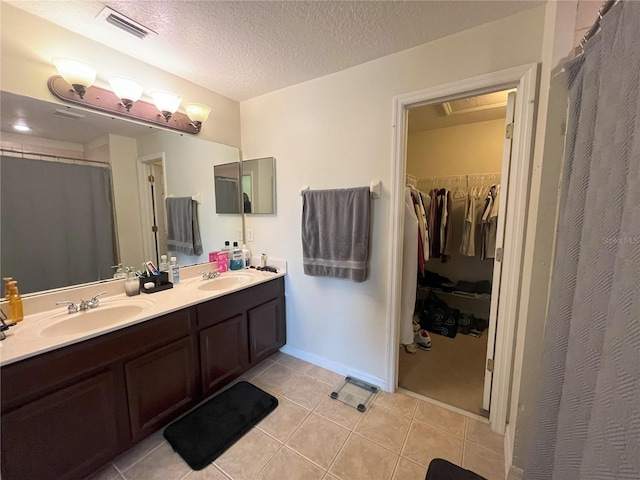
[375, 188]
[473, 176]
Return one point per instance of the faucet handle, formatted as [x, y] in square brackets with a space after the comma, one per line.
[94, 302]
[73, 308]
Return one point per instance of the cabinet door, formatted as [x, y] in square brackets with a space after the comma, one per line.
[223, 352]
[266, 330]
[64, 435]
[160, 385]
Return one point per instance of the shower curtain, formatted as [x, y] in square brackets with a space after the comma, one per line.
[56, 223]
[587, 419]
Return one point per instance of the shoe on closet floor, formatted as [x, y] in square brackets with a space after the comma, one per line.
[423, 340]
[410, 348]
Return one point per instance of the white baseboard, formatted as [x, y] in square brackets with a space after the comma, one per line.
[333, 366]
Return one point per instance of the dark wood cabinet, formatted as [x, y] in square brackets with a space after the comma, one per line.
[62, 435]
[266, 329]
[223, 353]
[159, 384]
[68, 412]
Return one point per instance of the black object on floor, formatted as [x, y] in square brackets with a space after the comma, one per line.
[203, 434]
[440, 469]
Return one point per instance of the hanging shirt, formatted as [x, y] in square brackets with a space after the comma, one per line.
[484, 226]
[492, 223]
[468, 243]
[409, 270]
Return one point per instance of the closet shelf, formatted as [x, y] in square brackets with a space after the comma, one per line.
[485, 297]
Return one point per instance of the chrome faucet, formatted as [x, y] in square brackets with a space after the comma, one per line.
[209, 275]
[83, 305]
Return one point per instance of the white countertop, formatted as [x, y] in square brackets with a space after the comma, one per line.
[24, 340]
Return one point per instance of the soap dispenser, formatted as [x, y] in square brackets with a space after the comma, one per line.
[16, 313]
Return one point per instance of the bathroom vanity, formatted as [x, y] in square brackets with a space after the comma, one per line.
[70, 410]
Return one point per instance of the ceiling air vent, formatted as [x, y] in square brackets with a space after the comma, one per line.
[125, 23]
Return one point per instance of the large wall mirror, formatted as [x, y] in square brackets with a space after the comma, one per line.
[66, 221]
[259, 185]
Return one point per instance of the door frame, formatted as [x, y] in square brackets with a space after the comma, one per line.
[146, 215]
[523, 78]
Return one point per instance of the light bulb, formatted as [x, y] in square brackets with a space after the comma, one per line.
[126, 90]
[76, 73]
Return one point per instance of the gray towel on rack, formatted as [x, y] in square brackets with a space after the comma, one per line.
[183, 229]
[335, 233]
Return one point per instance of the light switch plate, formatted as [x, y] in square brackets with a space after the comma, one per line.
[250, 234]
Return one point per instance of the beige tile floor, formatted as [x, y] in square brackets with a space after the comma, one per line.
[311, 436]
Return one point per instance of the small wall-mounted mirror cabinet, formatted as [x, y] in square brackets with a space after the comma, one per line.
[259, 185]
[227, 188]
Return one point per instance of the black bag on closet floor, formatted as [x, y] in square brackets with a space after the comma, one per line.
[443, 321]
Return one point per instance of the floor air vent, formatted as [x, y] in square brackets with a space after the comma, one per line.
[125, 23]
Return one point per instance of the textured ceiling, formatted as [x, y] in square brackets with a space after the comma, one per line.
[242, 49]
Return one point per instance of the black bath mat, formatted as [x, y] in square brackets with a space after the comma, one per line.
[440, 469]
[203, 434]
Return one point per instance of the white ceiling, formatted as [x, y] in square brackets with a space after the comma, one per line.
[242, 49]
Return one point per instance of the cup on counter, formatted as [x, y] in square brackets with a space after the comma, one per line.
[132, 284]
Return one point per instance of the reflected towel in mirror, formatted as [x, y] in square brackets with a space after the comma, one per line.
[183, 229]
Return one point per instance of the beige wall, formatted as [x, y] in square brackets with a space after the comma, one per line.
[337, 131]
[28, 43]
[460, 150]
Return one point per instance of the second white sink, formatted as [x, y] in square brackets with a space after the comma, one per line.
[225, 282]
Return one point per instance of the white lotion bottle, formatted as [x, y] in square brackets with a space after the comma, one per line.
[246, 256]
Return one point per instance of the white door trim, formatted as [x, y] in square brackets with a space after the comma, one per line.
[524, 78]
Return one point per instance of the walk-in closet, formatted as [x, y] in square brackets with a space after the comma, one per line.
[453, 195]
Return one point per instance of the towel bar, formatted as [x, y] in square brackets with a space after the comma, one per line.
[197, 197]
[374, 188]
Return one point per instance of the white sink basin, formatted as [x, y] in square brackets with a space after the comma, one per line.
[225, 282]
[107, 315]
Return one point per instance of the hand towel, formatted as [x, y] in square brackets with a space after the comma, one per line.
[183, 229]
[335, 233]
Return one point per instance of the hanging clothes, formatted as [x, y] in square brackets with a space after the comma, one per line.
[468, 243]
[434, 224]
[410, 252]
[489, 216]
[446, 248]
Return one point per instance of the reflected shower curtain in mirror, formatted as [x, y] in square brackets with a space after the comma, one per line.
[586, 422]
[43, 249]
[227, 195]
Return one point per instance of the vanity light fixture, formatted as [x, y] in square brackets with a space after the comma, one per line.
[166, 102]
[78, 74]
[197, 113]
[20, 127]
[126, 90]
[123, 100]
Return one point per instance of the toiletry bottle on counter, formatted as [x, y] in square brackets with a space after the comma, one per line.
[246, 256]
[227, 249]
[15, 303]
[175, 270]
[237, 262]
[164, 264]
